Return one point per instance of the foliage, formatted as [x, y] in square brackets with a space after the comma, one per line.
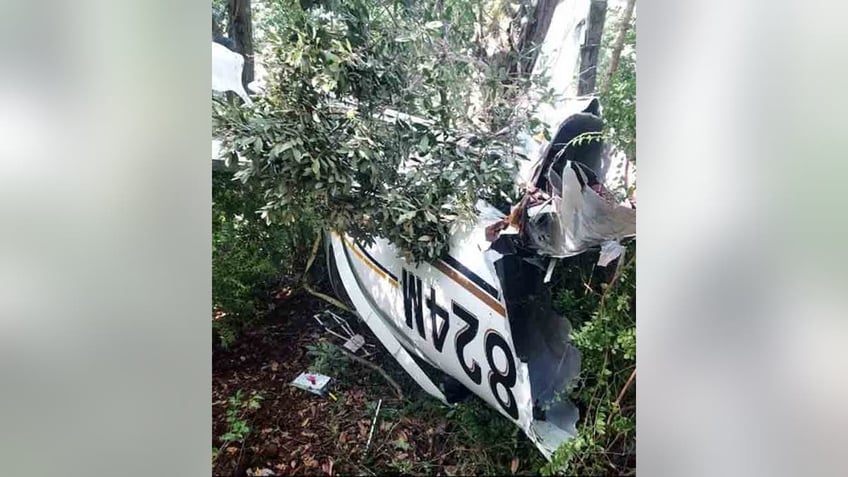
[327, 359]
[620, 101]
[484, 441]
[249, 258]
[499, 441]
[220, 14]
[238, 407]
[605, 334]
[317, 145]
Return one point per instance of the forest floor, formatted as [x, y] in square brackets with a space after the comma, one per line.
[283, 430]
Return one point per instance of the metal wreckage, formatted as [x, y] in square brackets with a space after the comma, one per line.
[479, 320]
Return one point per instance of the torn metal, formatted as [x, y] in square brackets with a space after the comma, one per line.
[339, 328]
[566, 210]
[479, 320]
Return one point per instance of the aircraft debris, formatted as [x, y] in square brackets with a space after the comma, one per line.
[566, 210]
[373, 423]
[313, 382]
[610, 250]
[480, 319]
[339, 327]
[354, 343]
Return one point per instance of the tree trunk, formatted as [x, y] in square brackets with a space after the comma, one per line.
[591, 47]
[533, 35]
[241, 32]
[619, 45]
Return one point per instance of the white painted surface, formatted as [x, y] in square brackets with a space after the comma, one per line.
[227, 67]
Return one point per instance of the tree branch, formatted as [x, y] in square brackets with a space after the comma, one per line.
[625, 388]
[305, 279]
[373, 366]
[619, 45]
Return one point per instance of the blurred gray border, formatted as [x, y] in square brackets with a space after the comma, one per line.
[740, 300]
[105, 272]
[105, 245]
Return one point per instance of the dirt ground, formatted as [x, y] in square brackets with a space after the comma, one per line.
[295, 432]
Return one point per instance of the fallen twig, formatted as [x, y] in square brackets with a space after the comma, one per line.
[373, 366]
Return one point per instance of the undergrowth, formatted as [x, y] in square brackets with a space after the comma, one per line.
[249, 258]
[240, 408]
[327, 359]
[603, 314]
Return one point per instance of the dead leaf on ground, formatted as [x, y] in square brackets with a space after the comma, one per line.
[328, 467]
[514, 466]
[270, 450]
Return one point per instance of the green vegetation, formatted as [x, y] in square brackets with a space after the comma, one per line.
[318, 146]
[328, 359]
[249, 258]
[619, 101]
[603, 315]
[239, 410]
[319, 158]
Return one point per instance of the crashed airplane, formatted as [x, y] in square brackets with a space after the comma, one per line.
[479, 320]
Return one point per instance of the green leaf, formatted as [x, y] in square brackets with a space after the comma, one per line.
[407, 216]
[280, 148]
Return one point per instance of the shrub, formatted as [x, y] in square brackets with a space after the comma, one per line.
[605, 334]
[249, 258]
[316, 143]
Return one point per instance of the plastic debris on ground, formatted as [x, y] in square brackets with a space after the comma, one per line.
[313, 382]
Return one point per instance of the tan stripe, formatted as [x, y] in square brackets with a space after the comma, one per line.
[470, 287]
[442, 267]
[365, 259]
